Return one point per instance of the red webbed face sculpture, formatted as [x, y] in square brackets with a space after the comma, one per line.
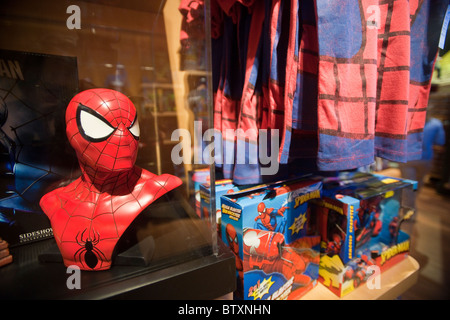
[103, 128]
[89, 215]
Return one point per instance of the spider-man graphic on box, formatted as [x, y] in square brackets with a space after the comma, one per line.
[233, 243]
[89, 215]
[270, 219]
[370, 220]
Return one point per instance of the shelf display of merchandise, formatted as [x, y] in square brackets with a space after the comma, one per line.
[360, 217]
[291, 237]
[91, 95]
[274, 238]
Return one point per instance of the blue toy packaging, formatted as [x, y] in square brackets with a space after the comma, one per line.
[35, 156]
[360, 217]
[274, 238]
[222, 187]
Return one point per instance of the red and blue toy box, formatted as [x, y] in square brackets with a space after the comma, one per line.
[223, 186]
[274, 238]
[360, 219]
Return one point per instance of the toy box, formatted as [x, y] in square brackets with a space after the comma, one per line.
[274, 239]
[35, 154]
[197, 178]
[222, 187]
[360, 218]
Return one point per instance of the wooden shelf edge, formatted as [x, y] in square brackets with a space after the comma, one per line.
[394, 282]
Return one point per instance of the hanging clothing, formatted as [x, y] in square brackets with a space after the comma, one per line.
[300, 136]
[341, 82]
[426, 23]
[370, 54]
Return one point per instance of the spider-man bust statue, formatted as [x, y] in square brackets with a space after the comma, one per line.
[89, 215]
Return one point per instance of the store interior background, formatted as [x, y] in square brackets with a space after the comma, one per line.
[129, 46]
[431, 228]
[107, 39]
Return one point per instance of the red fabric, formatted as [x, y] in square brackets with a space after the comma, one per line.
[251, 105]
[393, 72]
[347, 92]
[300, 136]
[192, 24]
[369, 102]
[341, 89]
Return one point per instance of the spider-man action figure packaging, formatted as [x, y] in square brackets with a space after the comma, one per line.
[222, 187]
[274, 238]
[360, 217]
[34, 92]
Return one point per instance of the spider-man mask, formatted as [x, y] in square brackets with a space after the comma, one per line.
[102, 127]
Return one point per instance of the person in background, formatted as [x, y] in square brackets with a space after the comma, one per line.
[433, 134]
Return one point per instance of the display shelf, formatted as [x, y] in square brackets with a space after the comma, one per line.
[195, 278]
[394, 281]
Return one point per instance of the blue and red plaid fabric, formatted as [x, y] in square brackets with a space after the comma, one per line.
[370, 103]
[343, 81]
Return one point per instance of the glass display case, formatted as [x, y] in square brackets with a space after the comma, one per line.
[157, 54]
